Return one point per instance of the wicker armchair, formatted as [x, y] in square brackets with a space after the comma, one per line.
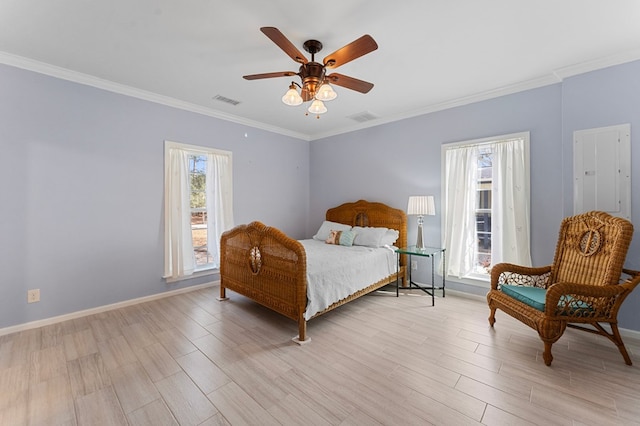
[583, 285]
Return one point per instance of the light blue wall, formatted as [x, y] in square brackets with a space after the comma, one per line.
[81, 174]
[81, 191]
[602, 98]
[391, 162]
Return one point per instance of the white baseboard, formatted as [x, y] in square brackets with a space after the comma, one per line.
[99, 309]
[632, 334]
[464, 294]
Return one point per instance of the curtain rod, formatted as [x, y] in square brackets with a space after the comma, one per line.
[455, 145]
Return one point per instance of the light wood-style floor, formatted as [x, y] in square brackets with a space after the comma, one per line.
[189, 359]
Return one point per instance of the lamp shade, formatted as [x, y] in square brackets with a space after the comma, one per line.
[421, 205]
[326, 93]
[292, 97]
[317, 107]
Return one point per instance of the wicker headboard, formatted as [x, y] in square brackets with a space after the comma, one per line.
[364, 213]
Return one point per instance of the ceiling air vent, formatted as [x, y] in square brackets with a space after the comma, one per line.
[226, 100]
[361, 117]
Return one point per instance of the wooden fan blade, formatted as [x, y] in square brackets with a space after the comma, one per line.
[269, 75]
[351, 51]
[350, 82]
[283, 43]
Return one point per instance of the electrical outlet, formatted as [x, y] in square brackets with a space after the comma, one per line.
[33, 295]
[414, 265]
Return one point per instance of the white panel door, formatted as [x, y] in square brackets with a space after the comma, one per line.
[602, 170]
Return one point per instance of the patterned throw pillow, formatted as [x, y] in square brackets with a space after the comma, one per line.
[327, 226]
[343, 238]
[334, 237]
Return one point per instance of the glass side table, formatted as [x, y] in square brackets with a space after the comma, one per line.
[429, 252]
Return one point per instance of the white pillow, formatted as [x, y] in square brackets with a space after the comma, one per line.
[369, 236]
[327, 227]
[390, 237]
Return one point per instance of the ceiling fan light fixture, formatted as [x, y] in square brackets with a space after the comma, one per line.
[326, 93]
[317, 107]
[292, 97]
[314, 80]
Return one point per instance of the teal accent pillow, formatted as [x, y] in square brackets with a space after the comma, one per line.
[346, 238]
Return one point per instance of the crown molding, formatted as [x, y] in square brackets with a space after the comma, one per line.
[99, 83]
[483, 96]
[555, 76]
[597, 64]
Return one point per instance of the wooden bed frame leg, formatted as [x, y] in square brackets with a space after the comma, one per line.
[223, 294]
[302, 338]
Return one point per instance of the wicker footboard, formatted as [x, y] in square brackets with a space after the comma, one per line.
[263, 264]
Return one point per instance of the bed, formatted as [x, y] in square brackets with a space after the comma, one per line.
[265, 265]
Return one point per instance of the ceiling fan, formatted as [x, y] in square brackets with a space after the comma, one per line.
[315, 80]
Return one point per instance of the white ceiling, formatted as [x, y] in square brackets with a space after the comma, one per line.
[432, 54]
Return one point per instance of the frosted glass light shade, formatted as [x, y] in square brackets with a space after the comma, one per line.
[317, 107]
[292, 97]
[326, 93]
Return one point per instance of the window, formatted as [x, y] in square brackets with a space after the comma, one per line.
[486, 204]
[482, 254]
[198, 204]
[198, 207]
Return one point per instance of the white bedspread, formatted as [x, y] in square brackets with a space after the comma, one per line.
[335, 272]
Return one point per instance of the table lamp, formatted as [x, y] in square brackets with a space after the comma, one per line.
[421, 205]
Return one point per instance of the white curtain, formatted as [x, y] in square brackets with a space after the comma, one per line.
[219, 202]
[461, 175]
[510, 203]
[179, 256]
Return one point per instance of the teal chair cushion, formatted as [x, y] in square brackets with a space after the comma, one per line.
[532, 296]
[535, 297]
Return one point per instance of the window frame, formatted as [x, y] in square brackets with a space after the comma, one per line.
[208, 269]
[474, 279]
